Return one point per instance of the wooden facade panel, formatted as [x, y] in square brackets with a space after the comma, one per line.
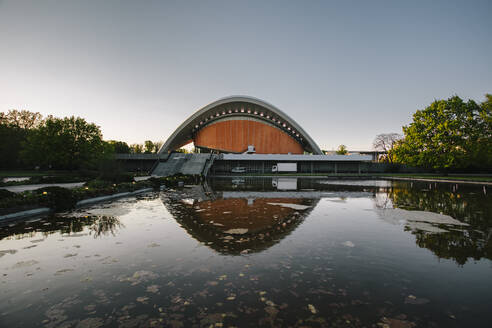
[236, 135]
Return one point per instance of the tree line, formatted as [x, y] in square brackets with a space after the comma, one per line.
[28, 140]
[448, 135]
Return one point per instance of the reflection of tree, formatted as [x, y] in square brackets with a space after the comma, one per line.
[457, 245]
[473, 241]
[100, 225]
[105, 225]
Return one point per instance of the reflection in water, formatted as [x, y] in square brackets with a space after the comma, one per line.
[105, 225]
[236, 217]
[470, 206]
[471, 237]
[319, 254]
[97, 225]
[239, 224]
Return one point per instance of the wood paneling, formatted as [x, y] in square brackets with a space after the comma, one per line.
[237, 135]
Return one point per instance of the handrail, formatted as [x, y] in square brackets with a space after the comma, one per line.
[154, 166]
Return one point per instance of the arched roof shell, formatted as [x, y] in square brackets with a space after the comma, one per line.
[238, 106]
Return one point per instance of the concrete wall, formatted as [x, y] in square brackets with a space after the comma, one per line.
[224, 167]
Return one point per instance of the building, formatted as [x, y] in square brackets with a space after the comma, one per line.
[244, 135]
[240, 124]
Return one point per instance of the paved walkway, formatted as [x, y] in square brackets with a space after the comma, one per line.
[22, 188]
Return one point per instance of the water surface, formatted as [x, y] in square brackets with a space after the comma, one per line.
[257, 252]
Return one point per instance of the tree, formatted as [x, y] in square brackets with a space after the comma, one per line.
[15, 126]
[342, 150]
[136, 149]
[158, 145]
[448, 134]
[22, 119]
[10, 146]
[65, 143]
[149, 147]
[386, 142]
[119, 147]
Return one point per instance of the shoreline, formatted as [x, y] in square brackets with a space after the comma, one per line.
[81, 203]
[356, 177]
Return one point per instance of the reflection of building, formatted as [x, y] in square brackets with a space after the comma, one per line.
[234, 215]
[239, 224]
[252, 136]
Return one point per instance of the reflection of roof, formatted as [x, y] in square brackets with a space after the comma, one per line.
[238, 106]
[260, 224]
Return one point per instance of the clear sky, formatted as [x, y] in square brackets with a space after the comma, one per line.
[344, 70]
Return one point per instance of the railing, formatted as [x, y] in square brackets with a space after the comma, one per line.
[154, 166]
[208, 165]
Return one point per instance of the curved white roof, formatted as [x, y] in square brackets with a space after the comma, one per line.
[225, 108]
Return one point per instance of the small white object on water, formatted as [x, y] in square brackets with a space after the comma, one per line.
[187, 201]
[348, 243]
[293, 206]
[312, 309]
[238, 231]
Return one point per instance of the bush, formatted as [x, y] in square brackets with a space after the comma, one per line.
[99, 184]
[4, 194]
[110, 170]
[88, 174]
[392, 168]
[155, 182]
[56, 198]
[174, 181]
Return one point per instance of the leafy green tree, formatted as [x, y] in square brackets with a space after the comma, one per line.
[449, 134]
[10, 146]
[65, 143]
[15, 126]
[119, 147]
[22, 119]
[158, 145]
[342, 150]
[136, 149]
[149, 147]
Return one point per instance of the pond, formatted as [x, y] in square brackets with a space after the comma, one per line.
[257, 252]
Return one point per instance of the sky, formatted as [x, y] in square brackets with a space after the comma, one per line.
[344, 70]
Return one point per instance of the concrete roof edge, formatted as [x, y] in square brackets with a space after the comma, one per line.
[237, 98]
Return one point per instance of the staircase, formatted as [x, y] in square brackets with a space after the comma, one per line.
[195, 164]
[171, 166]
[189, 164]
